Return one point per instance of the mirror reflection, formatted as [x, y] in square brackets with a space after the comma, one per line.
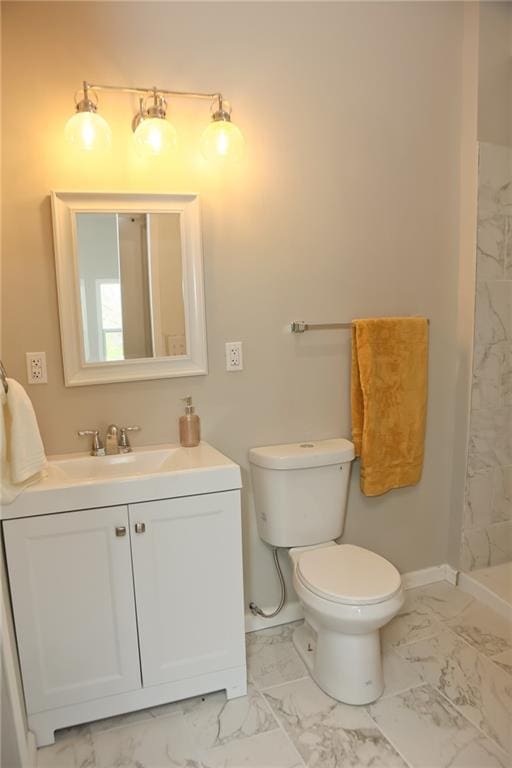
[131, 285]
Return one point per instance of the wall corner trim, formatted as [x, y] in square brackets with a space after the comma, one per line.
[431, 575]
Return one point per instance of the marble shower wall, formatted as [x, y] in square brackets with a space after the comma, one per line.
[487, 523]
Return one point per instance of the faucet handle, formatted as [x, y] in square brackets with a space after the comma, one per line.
[97, 448]
[124, 443]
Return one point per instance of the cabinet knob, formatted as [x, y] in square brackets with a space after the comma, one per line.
[140, 527]
[121, 530]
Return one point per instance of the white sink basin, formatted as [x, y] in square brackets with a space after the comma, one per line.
[78, 481]
[140, 462]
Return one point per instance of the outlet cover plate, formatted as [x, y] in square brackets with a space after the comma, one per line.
[36, 368]
[234, 358]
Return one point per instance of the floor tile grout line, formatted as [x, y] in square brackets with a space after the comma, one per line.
[451, 631]
[269, 688]
[445, 625]
[431, 614]
[285, 682]
[381, 731]
[474, 725]
[385, 696]
[256, 736]
[479, 653]
[475, 648]
[490, 659]
[500, 653]
[391, 741]
[283, 729]
[395, 646]
[268, 707]
[465, 716]
[488, 608]
[280, 726]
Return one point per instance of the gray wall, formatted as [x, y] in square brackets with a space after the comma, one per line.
[347, 205]
[495, 81]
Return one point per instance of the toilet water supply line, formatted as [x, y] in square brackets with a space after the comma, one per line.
[255, 610]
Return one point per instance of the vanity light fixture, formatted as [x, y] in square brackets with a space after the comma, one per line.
[222, 138]
[154, 135]
[87, 129]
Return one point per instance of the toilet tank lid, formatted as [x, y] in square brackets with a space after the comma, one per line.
[310, 453]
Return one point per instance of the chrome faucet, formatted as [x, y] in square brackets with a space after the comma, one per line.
[116, 440]
[97, 448]
[112, 440]
[124, 443]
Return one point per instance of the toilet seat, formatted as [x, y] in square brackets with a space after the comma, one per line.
[347, 574]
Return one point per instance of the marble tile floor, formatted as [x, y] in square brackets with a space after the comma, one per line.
[447, 704]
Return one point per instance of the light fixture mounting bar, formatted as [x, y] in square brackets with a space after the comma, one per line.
[145, 91]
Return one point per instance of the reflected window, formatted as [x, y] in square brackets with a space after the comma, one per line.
[111, 319]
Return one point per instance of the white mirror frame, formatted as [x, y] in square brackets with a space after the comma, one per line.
[78, 372]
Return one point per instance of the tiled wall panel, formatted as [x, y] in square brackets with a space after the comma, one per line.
[487, 524]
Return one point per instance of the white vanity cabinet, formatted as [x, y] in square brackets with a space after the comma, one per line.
[74, 606]
[126, 607]
[191, 547]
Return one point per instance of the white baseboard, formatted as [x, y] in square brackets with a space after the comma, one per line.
[429, 575]
[293, 611]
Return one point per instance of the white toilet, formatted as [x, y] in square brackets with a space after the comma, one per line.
[348, 593]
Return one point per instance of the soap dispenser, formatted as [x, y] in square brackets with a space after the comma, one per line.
[190, 426]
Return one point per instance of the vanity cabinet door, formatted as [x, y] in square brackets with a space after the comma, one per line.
[72, 591]
[187, 563]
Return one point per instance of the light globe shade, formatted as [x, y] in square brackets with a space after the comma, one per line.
[88, 131]
[154, 137]
[222, 140]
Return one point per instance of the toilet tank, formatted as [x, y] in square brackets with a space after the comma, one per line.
[300, 491]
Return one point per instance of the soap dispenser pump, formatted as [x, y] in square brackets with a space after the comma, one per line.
[190, 426]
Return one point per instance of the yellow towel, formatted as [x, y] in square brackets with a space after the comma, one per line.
[389, 400]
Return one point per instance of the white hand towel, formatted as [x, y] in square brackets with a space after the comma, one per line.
[21, 448]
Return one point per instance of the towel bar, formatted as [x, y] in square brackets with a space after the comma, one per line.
[299, 326]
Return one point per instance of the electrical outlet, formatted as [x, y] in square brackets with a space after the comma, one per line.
[36, 368]
[176, 345]
[234, 360]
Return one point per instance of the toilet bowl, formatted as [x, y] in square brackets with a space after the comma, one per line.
[348, 593]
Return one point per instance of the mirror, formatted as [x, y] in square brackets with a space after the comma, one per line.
[129, 273]
[131, 286]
